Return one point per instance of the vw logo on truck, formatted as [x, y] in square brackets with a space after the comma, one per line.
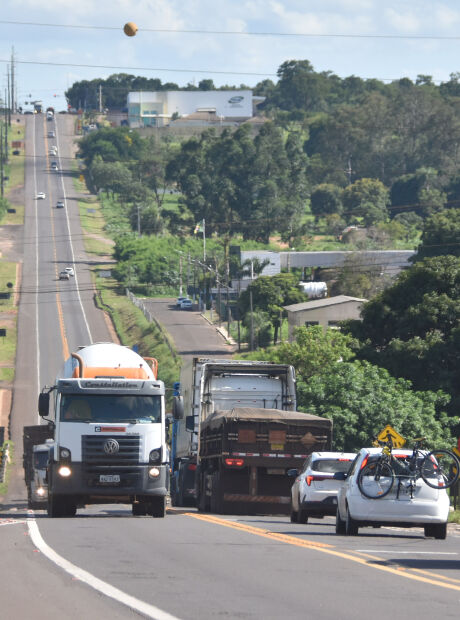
[111, 446]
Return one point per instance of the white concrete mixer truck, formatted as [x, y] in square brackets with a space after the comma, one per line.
[108, 415]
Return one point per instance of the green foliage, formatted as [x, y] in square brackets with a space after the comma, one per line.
[270, 294]
[238, 184]
[441, 234]
[326, 199]
[4, 205]
[366, 199]
[111, 144]
[413, 327]
[362, 399]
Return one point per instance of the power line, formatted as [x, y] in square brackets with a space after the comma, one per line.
[422, 37]
[70, 64]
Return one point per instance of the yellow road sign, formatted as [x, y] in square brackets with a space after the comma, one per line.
[396, 438]
[456, 451]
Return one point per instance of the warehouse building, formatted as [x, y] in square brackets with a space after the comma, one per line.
[161, 108]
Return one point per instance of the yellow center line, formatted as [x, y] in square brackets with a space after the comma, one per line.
[326, 548]
[65, 345]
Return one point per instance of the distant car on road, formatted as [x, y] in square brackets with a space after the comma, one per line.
[63, 275]
[51, 134]
[404, 505]
[314, 492]
[53, 150]
[180, 300]
[186, 304]
[41, 196]
[60, 204]
[54, 166]
[70, 271]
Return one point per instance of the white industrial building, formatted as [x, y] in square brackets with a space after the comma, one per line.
[157, 109]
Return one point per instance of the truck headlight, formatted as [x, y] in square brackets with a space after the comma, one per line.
[64, 471]
[41, 491]
[154, 472]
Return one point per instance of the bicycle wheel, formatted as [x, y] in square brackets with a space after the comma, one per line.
[440, 469]
[376, 480]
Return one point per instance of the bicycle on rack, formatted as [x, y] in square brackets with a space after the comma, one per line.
[439, 469]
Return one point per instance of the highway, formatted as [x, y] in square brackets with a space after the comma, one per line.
[105, 563]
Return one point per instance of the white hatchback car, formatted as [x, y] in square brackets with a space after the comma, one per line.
[314, 492]
[405, 505]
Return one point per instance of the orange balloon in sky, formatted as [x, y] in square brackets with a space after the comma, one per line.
[130, 29]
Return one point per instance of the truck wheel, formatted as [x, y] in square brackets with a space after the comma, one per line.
[56, 506]
[158, 507]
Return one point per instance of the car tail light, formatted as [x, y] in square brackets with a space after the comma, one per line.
[191, 467]
[309, 479]
[234, 462]
[347, 460]
[364, 463]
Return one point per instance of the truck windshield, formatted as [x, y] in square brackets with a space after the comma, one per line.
[110, 408]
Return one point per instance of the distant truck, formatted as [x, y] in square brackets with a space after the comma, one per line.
[108, 410]
[208, 385]
[49, 114]
[245, 454]
[38, 107]
[36, 452]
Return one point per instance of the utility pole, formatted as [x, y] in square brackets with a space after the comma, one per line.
[180, 274]
[100, 98]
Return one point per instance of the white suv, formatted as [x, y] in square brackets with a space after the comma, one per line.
[314, 492]
[405, 505]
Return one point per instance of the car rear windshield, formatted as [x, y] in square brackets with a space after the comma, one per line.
[331, 465]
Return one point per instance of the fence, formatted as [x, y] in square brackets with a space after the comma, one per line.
[139, 303]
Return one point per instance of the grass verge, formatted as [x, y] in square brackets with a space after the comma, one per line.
[4, 484]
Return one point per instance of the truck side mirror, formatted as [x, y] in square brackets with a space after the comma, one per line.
[178, 407]
[190, 423]
[43, 404]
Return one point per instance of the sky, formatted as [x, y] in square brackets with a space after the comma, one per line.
[59, 42]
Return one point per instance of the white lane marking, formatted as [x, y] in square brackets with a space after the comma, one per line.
[395, 552]
[101, 586]
[61, 178]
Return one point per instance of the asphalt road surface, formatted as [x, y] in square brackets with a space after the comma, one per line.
[105, 563]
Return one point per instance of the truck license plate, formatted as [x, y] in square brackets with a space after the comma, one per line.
[114, 478]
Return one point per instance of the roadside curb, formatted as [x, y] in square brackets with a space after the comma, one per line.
[220, 330]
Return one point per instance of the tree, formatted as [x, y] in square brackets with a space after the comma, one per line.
[413, 327]
[441, 235]
[325, 200]
[270, 294]
[367, 199]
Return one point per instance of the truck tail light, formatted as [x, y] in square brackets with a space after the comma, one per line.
[234, 462]
[191, 467]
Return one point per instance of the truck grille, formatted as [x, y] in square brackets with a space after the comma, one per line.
[93, 452]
